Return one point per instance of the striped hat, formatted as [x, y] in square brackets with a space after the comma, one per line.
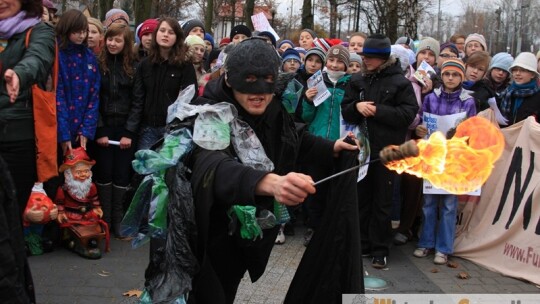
[322, 43]
[341, 53]
[316, 51]
[454, 65]
[377, 46]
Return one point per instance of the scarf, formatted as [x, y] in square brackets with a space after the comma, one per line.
[517, 92]
[16, 24]
[334, 76]
[468, 84]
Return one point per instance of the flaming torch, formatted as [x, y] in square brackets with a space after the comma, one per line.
[459, 165]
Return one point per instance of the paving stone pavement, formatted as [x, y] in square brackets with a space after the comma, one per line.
[63, 277]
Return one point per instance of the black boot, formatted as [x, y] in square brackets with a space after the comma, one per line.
[105, 199]
[118, 210]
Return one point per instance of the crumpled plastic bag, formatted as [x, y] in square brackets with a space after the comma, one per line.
[291, 96]
[184, 97]
[248, 147]
[249, 227]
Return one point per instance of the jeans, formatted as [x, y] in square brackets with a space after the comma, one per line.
[439, 235]
[149, 136]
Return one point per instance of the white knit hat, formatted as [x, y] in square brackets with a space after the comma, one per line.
[477, 37]
[526, 61]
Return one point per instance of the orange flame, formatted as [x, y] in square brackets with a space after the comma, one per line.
[461, 164]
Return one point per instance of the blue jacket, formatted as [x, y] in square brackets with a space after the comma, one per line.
[77, 95]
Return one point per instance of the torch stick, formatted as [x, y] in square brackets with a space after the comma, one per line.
[388, 154]
[344, 171]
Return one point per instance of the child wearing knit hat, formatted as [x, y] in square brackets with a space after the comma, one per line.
[193, 27]
[239, 32]
[306, 39]
[498, 75]
[291, 61]
[355, 64]
[438, 232]
[116, 15]
[283, 45]
[475, 42]
[428, 50]
[324, 120]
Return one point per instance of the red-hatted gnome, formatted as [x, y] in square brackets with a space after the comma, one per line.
[39, 211]
[79, 211]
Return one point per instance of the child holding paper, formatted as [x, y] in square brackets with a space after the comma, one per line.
[450, 99]
[324, 120]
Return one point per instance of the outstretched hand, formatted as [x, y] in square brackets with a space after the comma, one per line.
[12, 84]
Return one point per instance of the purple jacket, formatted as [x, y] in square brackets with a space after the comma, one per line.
[441, 103]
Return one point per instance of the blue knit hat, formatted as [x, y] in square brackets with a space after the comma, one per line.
[501, 61]
[208, 37]
[290, 54]
[378, 46]
[282, 42]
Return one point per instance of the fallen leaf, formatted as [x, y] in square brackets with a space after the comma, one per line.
[452, 264]
[463, 275]
[133, 293]
[104, 273]
[434, 270]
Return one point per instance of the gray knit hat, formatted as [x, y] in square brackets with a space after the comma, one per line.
[341, 53]
[431, 44]
[191, 24]
[316, 51]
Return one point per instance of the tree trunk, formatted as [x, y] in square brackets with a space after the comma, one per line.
[392, 20]
[209, 16]
[249, 7]
[142, 9]
[104, 7]
[307, 15]
[333, 17]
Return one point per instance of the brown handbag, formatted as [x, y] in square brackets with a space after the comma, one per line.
[45, 124]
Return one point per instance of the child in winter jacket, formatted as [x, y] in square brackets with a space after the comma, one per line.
[77, 94]
[450, 99]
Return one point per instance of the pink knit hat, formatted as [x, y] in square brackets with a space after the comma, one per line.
[476, 37]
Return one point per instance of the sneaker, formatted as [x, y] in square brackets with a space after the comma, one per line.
[280, 239]
[307, 236]
[421, 252]
[378, 262]
[440, 258]
[400, 239]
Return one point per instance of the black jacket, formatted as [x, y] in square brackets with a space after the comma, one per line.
[115, 99]
[394, 99]
[234, 183]
[156, 87]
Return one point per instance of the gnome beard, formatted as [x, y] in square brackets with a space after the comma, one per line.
[78, 189]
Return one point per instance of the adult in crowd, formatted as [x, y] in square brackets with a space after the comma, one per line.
[77, 94]
[22, 67]
[305, 40]
[459, 41]
[159, 79]
[144, 33]
[96, 30]
[387, 114]
[113, 162]
[248, 85]
[239, 32]
[194, 27]
[522, 98]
